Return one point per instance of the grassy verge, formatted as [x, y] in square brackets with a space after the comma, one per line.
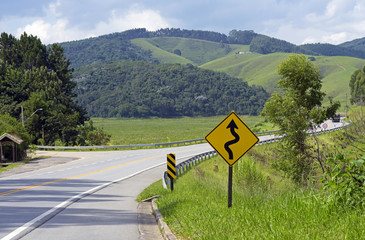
[10, 166]
[264, 206]
[157, 130]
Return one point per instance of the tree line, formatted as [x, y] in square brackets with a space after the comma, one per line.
[145, 89]
[37, 89]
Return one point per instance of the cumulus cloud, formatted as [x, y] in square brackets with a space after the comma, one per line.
[299, 21]
[334, 22]
[55, 26]
[134, 18]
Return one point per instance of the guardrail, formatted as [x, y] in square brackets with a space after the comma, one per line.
[186, 165]
[155, 145]
[131, 146]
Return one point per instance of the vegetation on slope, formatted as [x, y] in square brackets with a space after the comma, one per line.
[161, 55]
[144, 89]
[103, 49]
[261, 70]
[197, 51]
[326, 49]
[357, 44]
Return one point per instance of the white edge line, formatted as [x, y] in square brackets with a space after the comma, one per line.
[43, 218]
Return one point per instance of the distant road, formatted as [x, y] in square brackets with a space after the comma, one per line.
[30, 202]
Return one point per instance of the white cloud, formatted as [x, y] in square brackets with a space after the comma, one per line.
[38, 28]
[335, 38]
[134, 18]
[55, 27]
[299, 21]
[310, 40]
[51, 33]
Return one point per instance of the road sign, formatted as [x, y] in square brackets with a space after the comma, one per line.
[231, 138]
[171, 169]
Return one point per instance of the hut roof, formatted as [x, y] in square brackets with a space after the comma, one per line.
[5, 136]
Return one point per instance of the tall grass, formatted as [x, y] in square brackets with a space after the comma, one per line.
[262, 208]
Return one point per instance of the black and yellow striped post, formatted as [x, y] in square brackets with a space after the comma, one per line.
[171, 169]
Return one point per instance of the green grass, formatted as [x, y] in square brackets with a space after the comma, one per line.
[10, 166]
[157, 130]
[162, 55]
[192, 50]
[262, 208]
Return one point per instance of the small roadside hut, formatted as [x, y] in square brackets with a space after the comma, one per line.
[9, 140]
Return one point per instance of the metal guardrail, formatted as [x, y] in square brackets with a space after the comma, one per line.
[154, 145]
[131, 146]
[187, 164]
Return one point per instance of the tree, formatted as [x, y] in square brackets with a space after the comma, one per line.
[296, 111]
[34, 76]
[357, 87]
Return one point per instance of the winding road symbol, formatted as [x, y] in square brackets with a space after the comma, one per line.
[231, 138]
[232, 125]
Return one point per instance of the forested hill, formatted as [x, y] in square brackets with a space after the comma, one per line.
[104, 49]
[326, 49]
[144, 89]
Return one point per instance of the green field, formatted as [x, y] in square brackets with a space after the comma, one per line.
[158, 130]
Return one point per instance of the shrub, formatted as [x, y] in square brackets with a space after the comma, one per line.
[346, 182]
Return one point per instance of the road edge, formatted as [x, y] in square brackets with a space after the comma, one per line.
[164, 228]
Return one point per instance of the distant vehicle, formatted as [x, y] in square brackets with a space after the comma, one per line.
[336, 118]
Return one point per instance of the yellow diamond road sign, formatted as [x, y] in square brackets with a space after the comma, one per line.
[231, 138]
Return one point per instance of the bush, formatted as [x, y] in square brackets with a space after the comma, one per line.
[346, 182]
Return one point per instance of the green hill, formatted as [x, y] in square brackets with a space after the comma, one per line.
[194, 50]
[163, 56]
[357, 44]
[260, 70]
[145, 89]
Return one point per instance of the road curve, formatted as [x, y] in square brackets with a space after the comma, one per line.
[28, 200]
[95, 195]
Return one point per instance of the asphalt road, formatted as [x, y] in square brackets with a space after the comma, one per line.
[92, 197]
[30, 199]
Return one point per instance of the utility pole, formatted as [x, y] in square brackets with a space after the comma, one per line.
[346, 107]
[361, 103]
[22, 115]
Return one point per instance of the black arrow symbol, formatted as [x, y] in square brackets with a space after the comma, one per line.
[232, 125]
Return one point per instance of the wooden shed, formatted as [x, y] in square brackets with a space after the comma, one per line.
[9, 140]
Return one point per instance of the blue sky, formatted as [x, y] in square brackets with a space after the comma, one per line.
[296, 21]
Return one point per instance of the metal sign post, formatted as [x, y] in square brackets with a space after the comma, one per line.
[230, 176]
